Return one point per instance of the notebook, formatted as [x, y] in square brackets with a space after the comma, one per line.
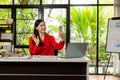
[75, 50]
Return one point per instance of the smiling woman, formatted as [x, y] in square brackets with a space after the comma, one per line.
[41, 43]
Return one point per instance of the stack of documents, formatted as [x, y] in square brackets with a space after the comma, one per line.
[44, 57]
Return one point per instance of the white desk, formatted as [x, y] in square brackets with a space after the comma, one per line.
[44, 69]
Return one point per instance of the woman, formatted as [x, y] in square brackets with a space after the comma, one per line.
[41, 43]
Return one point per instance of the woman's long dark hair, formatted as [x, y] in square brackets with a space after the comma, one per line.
[37, 22]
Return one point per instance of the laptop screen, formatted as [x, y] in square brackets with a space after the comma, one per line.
[76, 50]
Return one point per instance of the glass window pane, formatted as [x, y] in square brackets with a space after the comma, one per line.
[55, 1]
[5, 2]
[27, 13]
[103, 21]
[83, 22]
[24, 24]
[55, 18]
[22, 39]
[106, 1]
[83, 1]
[27, 2]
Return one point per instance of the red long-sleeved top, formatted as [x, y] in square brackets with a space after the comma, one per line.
[45, 47]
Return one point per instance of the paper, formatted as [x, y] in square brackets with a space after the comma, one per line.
[43, 57]
[113, 37]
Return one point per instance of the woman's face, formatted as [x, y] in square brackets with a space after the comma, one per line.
[41, 27]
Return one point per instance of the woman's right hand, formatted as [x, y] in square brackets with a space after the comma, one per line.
[36, 40]
[61, 35]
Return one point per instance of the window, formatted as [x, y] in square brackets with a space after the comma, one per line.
[103, 56]
[54, 18]
[25, 18]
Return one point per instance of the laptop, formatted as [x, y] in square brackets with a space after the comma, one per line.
[75, 50]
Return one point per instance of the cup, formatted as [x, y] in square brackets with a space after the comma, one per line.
[3, 53]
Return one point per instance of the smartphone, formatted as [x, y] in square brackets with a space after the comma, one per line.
[60, 28]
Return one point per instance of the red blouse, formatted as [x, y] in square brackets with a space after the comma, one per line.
[45, 47]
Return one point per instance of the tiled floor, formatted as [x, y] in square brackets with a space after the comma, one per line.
[101, 77]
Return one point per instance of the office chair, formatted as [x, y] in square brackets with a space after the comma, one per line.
[55, 52]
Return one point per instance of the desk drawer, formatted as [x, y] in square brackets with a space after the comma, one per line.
[43, 78]
[43, 68]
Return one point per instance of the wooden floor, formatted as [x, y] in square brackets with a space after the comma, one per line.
[101, 77]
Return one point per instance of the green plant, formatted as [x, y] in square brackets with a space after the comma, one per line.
[84, 26]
